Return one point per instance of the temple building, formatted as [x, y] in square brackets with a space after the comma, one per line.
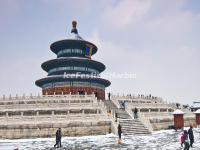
[73, 71]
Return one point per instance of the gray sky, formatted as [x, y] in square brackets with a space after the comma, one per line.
[158, 40]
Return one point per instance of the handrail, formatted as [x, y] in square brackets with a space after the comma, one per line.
[146, 122]
[116, 102]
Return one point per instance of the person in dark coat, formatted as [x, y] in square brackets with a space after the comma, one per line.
[135, 113]
[109, 96]
[58, 138]
[119, 131]
[191, 136]
[186, 142]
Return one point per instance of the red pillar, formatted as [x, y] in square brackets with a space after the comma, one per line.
[197, 113]
[178, 119]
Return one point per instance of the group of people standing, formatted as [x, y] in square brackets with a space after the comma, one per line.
[184, 138]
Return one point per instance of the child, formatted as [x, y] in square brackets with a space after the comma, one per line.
[182, 139]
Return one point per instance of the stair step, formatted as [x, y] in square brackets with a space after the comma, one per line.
[126, 132]
[137, 134]
[131, 124]
[130, 119]
[133, 127]
[137, 123]
[135, 131]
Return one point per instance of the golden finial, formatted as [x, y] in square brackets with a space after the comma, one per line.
[74, 23]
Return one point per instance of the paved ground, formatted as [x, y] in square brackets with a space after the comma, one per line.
[161, 140]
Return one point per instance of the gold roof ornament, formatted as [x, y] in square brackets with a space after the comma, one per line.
[74, 23]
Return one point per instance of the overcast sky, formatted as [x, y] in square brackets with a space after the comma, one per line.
[158, 40]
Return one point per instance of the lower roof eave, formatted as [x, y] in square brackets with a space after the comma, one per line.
[52, 79]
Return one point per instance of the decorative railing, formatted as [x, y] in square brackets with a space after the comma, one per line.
[53, 118]
[150, 105]
[47, 99]
[64, 96]
[130, 97]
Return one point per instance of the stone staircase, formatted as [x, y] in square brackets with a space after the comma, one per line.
[133, 127]
[129, 126]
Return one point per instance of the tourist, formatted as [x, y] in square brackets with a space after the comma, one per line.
[177, 105]
[191, 136]
[186, 143]
[119, 131]
[58, 138]
[123, 105]
[57, 141]
[182, 139]
[115, 117]
[109, 96]
[135, 113]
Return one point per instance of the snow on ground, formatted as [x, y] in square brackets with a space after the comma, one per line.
[159, 140]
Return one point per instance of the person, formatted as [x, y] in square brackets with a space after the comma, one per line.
[123, 105]
[135, 113]
[57, 141]
[182, 139]
[186, 143]
[109, 96]
[177, 105]
[115, 117]
[58, 138]
[191, 135]
[119, 131]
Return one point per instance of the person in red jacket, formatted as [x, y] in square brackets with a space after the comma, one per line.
[182, 139]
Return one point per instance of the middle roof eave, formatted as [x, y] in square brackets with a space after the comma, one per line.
[72, 61]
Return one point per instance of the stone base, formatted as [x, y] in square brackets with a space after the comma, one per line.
[165, 123]
[46, 130]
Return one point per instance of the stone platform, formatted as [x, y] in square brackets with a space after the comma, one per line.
[41, 116]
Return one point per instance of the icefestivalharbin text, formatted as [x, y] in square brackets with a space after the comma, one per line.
[109, 75]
